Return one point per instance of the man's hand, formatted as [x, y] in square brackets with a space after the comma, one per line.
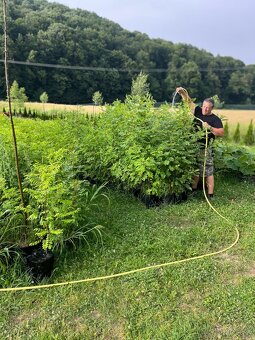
[181, 90]
[183, 93]
[207, 126]
[186, 98]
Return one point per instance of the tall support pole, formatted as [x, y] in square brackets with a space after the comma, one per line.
[10, 110]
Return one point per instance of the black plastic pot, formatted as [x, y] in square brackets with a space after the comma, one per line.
[151, 201]
[40, 263]
[176, 199]
[154, 201]
[23, 251]
[28, 250]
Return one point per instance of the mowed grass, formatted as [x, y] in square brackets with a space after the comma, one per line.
[210, 298]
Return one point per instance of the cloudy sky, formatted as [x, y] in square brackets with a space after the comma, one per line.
[222, 27]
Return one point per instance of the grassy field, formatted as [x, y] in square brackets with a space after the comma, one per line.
[210, 298]
[59, 107]
[232, 116]
[237, 116]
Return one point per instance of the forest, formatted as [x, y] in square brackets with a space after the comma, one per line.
[71, 53]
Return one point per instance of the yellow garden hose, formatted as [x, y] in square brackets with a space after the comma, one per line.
[111, 276]
[100, 278]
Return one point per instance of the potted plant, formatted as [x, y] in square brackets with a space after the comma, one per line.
[58, 205]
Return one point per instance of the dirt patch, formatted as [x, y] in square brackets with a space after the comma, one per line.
[25, 317]
[192, 302]
[96, 315]
[233, 259]
[232, 332]
[241, 268]
[251, 271]
[117, 332]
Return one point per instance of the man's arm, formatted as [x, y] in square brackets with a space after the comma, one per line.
[218, 132]
[186, 98]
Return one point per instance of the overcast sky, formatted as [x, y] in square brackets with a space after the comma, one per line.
[222, 27]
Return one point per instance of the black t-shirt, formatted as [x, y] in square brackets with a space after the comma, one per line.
[211, 119]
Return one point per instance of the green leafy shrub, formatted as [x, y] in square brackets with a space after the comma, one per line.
[44, 97]
[60, 205]
[11, 225]
[239, 159]
[18, 95]
[7, 163]
[217, 103]
[137, 147]
[140, 87]
[36, 139]
[53, 198]
[97, 98]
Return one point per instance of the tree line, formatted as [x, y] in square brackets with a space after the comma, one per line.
[49, 33]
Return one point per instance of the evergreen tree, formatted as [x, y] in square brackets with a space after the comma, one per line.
[226, 131]
[249, 138]
[25, 112]
[237, 134]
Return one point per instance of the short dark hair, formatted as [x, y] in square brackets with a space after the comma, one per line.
[209, 100]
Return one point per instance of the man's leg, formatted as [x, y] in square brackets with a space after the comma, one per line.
[195, 181]
[210, 184]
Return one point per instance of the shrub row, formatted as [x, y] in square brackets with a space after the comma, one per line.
[140, 148]
[43, 115]
[247, 139]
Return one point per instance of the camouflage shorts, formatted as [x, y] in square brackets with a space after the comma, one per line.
[209, 168]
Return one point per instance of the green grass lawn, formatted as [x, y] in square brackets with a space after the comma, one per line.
[211, 298]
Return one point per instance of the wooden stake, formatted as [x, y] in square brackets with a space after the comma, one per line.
[10, 111]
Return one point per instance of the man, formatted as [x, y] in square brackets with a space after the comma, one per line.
[215, 129]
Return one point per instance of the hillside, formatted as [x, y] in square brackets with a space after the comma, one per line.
[102, 56]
